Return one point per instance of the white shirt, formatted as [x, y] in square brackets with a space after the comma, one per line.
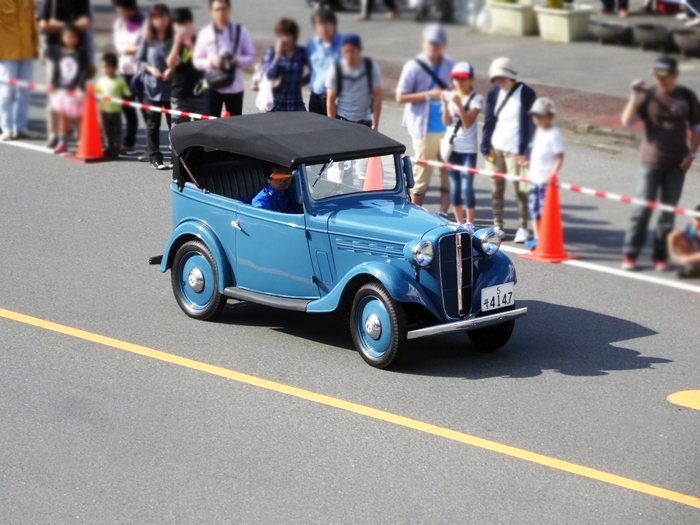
[545, 148]
[506, 136]
[466, 140]
[123, 39]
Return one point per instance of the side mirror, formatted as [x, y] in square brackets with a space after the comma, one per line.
[408, 171]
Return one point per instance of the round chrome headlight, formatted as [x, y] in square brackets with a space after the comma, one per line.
[423, 253]
[487, 241]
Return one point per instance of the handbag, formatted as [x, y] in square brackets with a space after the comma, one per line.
[448, 140]
[220, 78]
[265, 100]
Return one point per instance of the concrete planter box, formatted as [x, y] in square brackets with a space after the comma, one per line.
[564, 25]
[513, 19]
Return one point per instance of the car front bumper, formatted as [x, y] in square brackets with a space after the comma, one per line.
[468, 324]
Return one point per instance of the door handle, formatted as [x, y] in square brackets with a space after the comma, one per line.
[236, 224]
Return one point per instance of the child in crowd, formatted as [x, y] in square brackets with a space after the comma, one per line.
[69, 73]
[128, 32]
[110, 112]
[187, 85]
[546, 159]
[151, 57]
[684, 248]
[460, 108]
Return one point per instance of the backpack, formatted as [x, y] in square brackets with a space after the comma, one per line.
[369, 70]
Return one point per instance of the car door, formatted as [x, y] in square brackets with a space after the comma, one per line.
[272, 255]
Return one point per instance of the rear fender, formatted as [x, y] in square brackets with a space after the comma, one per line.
[189, 230]
[402, 287]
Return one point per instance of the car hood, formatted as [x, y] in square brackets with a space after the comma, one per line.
[384, 220]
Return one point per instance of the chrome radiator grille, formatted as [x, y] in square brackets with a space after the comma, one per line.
[455, 259]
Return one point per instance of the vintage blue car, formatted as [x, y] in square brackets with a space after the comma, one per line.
[357, 246]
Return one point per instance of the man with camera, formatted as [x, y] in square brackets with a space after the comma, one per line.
[222, 50]
[668, 111]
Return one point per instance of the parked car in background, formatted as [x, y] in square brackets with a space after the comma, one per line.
[357, 247]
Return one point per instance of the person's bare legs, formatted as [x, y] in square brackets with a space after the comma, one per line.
[459, 214]
[471, 215]
[418, 199]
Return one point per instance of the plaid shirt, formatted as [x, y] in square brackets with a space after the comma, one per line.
[291, 70]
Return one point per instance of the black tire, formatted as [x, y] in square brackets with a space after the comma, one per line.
[213, 303]
[492, 338]
[373, 299]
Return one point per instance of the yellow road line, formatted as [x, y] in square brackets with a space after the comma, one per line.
[687, 398]
[373, 413]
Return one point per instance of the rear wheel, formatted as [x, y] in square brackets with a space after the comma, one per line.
[378, 325]
[492, 337]
[194, 280]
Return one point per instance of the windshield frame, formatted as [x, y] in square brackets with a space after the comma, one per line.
[350, 199]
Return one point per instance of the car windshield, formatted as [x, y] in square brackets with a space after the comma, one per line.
[347, 177]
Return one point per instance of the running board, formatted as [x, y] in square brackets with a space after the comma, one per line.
[298, 305]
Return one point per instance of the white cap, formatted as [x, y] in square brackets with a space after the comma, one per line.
[543, 107]
[502, 67]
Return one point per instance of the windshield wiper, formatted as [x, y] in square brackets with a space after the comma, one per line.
[323, 168]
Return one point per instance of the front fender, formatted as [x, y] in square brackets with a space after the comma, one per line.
[192, 229]
[401, 286]
[491, 271]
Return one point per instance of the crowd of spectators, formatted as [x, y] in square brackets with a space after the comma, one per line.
[162, 61]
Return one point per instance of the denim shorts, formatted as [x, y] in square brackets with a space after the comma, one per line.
[536, 200]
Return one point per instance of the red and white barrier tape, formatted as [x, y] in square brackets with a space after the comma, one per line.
[565, 186]
[421, 162]
[129, 103]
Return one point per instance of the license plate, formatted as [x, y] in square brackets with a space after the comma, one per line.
[496, 297]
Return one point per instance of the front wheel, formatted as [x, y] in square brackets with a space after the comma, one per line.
[194, 280]
[378, 325]
[492, 338]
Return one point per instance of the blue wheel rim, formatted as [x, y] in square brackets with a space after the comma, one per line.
[193, 261]
[375, 348]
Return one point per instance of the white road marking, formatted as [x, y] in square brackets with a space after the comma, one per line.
[24, 145]
[617, 272]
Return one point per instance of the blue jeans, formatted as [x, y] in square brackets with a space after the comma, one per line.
[14, 101]
[462, 184]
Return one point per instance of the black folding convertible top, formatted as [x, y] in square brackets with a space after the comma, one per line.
[285, 138]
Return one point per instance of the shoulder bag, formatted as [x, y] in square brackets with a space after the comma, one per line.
[218, 78]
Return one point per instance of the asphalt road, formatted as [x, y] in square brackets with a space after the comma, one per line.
[93, 434]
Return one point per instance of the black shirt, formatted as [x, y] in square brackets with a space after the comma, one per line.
[185, 76]
[63, 11]
[69, 70]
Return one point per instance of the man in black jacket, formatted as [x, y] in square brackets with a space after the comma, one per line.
[507, 134]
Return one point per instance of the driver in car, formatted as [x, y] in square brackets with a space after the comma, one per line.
[275, 196]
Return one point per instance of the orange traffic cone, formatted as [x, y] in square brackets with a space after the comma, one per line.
[550, 245]
[90, 146]
[373, 178]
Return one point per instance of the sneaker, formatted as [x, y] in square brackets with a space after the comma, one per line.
[52, 142]
[683, 17]
[499, 231]
[127, 150]
[442, 214]
[160, 166]
[5, 136]
[143, 158]
[605, 11]
[25, 135]
[521, 236]
[661, 265]
[61, 147]
[691, 272]
[628, 263]
[531, 243]
[624, 13]
[468, 227]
